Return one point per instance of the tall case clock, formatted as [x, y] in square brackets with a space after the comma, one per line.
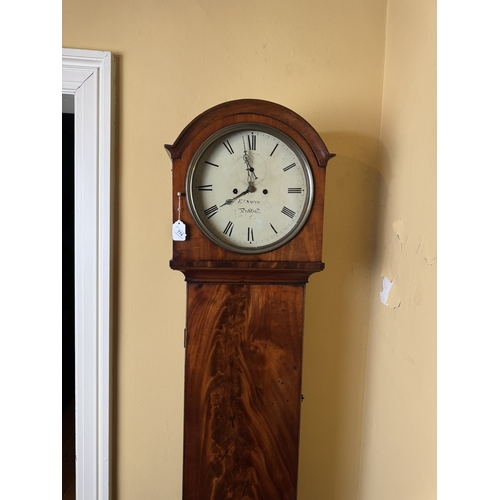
[248, 196]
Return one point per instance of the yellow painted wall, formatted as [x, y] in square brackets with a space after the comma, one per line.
[399, 439]
[325, 60]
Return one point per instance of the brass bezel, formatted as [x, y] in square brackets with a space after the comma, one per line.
[302, 219]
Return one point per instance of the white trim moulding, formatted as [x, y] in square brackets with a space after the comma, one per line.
[89, 76]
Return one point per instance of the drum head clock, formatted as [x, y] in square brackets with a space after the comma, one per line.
[249, 188]
[251, 176]
[248, 185]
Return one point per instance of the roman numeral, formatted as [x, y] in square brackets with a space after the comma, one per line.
[288, 212]
[252, 142]
[274, 149]
[289, 167]
[294, 190]
[250, 235]
[272, 227]
[207, 187]
[228, 146]
[210, 212]
[229, 229]
[213, 164]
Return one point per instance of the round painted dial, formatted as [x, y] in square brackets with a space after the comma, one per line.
[249, 188]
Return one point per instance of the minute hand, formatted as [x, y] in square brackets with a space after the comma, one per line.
[250, 171]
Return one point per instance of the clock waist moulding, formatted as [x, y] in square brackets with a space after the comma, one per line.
[245, 307]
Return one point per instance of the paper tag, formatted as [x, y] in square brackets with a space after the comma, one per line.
[179, 231]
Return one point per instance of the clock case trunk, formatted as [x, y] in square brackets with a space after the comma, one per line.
[244, 331]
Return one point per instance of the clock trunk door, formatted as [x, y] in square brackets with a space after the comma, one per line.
[243, 391]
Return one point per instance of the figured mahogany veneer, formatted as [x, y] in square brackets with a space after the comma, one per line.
[242, 402]
[307, 245]
[245, 316]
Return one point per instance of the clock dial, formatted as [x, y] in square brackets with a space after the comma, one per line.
[249, 188]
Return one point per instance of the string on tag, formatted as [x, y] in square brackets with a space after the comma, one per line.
[179, 205]
[179, 228]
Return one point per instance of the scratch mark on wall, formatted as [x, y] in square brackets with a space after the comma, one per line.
[205, 6]
[419, 244]
[401, 232]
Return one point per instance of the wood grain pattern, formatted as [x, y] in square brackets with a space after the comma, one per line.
[242, 401]
[249, 109]
[250, 272]
[244, 330]
[307, 245]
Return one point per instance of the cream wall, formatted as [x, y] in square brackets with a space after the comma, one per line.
[399, 439]
[325, 60]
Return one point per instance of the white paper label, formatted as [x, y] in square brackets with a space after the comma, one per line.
[179, 231]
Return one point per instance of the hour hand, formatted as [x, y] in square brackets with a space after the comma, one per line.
[228, 202]
[250, 189]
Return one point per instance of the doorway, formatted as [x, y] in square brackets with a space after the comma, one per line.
[68, 306]
[88, 76]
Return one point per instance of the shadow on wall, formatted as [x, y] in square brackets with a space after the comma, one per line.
[337, 325]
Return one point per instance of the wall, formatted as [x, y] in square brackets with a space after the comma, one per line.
[399, 439]
[324, 60]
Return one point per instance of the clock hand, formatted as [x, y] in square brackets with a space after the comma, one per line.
[250, 189]
[251, 177]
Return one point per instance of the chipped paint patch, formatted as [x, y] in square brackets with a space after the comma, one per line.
[386, 288]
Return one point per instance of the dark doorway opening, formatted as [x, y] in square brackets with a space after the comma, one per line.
[68, 307]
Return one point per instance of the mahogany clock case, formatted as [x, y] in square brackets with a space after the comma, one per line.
[200, 254]
[243, 391]
[244, 330]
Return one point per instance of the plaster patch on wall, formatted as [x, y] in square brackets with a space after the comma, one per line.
[418, 295]
[386, 288]
[387, 285]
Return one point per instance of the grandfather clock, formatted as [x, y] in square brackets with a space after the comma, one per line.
[248, 196]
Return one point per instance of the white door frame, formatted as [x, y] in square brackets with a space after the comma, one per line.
[89, 76]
